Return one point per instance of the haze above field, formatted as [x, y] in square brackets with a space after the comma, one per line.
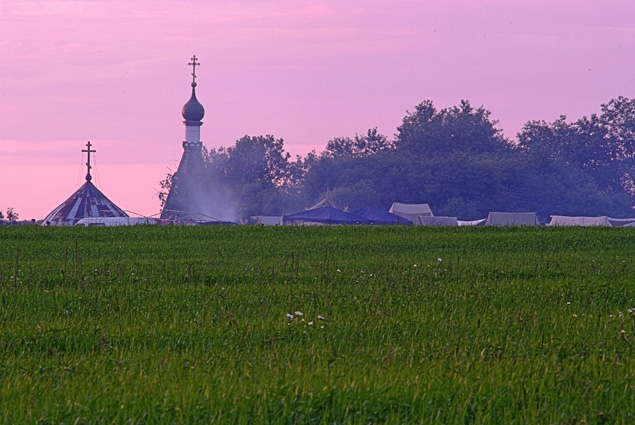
[116, 73]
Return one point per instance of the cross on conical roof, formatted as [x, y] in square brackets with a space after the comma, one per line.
[88, 150]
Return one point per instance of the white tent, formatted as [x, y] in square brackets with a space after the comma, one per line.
[267, 220]
[115, 221]
[563, 220]
[622, 222]
[472, 222]
[411, 211]
[512, 219]
[437, 221]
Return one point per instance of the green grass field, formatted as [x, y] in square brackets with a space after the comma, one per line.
[184, 325]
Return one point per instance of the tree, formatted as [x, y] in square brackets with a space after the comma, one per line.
[601, 146]
[260, 158]
[166, 185]
[12, 216]
[461, 128]
[361, 145]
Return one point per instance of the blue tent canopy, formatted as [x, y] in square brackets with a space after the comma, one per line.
[377, 216]
[326, 215]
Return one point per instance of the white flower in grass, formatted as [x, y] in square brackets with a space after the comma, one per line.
[575, 315]
[339, 271]
[415, 266]
[320, 317]
[290, 316]
[299, 313]
[310, 323]
[568, 302]
[440, 260]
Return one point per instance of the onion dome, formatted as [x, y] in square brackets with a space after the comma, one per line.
[193, 110]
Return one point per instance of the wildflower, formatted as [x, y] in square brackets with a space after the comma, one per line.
[568, 302]
[620, 313]
[322, 327]
[290, 316]
[310, 323]
[440, 260]
[338, 270]
[320, 318]
[575, 315]
[299, 313]
[415, 266]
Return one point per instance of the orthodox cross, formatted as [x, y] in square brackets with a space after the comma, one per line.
[88, 145]
[194, 64]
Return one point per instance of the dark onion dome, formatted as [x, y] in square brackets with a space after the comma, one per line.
[193, 110]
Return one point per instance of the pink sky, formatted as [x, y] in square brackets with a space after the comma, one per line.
[115, 72]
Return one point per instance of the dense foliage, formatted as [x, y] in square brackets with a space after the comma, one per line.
[247, 325]
[455, 159]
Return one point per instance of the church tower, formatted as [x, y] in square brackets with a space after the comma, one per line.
[184, 198]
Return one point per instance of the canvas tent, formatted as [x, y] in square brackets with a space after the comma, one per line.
[377, 216]
[437, 221]
[324, 202]
[511, 219]
[621, 222]
[87, 201]
[266, 220]
[324, 215]
[115, 221]
[480, 222]
[411, 211]
[563, 220]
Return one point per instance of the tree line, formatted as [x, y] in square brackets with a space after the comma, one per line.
[456, 159]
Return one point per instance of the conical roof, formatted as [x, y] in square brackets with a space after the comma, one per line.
[87, 201]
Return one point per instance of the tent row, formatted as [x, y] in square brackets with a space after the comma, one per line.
[421, 214]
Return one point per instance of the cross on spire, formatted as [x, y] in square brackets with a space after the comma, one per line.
[88, 150]
[194, 64]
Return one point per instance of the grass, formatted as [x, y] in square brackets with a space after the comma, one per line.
[144, 325]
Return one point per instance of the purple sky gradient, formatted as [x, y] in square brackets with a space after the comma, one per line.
[115, 72]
